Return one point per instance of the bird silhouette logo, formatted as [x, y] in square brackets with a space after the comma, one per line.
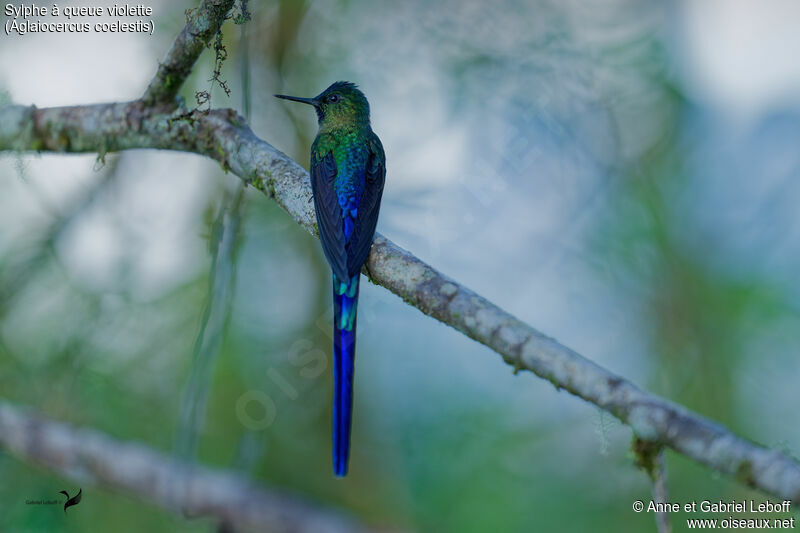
[75, 500]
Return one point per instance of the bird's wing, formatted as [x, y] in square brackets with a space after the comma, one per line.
[329, 214]
[368, 208]
[76, 500]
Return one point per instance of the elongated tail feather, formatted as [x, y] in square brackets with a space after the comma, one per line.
[345, 303]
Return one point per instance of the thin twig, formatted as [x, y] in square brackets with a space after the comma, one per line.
[221, 284]
[660, 493]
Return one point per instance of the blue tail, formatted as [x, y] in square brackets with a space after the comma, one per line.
[345, 302]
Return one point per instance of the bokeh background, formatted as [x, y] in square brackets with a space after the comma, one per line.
[623, 175]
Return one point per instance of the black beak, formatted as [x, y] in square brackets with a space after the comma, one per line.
[310, 101]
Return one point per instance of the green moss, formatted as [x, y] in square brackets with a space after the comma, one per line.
[222, 157]
[172, 82]
[235, 119]
[744, 473]
[553, 382]
[102, 150]
[265, 185]
[645, 454]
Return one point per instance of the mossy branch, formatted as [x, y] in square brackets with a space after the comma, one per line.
[202, 25]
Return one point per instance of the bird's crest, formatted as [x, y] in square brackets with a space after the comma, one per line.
[337, 85]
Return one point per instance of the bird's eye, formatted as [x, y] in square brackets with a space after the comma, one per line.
[332, 99]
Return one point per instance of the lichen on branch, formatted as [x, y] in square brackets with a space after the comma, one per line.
[202, 25]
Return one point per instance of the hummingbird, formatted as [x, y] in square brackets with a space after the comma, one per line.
[348, 171]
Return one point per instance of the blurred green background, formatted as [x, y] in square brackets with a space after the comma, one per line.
[622, 175]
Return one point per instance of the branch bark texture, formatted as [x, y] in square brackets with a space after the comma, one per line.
[202, 25]
[85, 455]
[224, 136]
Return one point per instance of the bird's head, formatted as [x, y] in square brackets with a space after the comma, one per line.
[340, 105]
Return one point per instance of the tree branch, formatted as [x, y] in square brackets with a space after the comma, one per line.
[202, 25]
[84, 455]
[650, 458]
[660, 493]
[223, 136]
